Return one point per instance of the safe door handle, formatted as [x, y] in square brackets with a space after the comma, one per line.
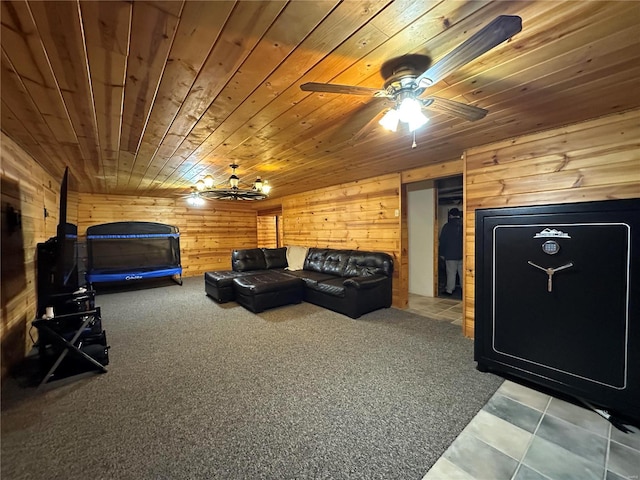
[550, 271]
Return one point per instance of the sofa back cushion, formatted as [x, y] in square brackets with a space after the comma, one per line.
[335, 262]
[327, 260]
[248, 259]
[364, 264]
[315, 259]
[275, 257]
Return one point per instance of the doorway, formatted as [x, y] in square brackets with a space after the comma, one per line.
[422, 233]
[449, 196]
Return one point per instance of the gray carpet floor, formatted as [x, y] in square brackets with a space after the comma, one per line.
[197, 390]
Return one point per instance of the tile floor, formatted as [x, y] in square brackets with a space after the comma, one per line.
[523, 434]
[448, 309]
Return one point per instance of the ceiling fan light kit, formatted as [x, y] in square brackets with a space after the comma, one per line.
[408, 77]
[205, 189]
[409, 111]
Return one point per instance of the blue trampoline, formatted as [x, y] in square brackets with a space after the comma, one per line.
[132, 251]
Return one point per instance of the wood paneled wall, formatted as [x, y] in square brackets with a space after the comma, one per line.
[357, 215]
[208, 233]
[29, 189]
[433, 171]
[267, 231]
[587, 161]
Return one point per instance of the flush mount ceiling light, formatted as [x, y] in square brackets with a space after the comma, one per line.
[205, 188]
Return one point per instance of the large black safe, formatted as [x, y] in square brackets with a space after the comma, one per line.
[558, 299]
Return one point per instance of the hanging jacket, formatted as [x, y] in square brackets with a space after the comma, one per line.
[451, 240]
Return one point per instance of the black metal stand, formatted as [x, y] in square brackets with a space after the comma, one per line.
[66, 334]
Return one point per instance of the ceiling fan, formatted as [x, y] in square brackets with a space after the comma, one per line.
[409, 76]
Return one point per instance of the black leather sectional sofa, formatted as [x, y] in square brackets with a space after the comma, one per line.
[351, 282]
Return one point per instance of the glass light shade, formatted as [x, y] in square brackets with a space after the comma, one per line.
[390, 120]
[409, 109]
[200, 185]
[266, 188]
[410, 112]
[195, 200]
[417, 121]
[234, 181]
[208, 181]
[258, 184]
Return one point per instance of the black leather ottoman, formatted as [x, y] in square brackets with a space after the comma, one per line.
[219, 285]
[267, 290]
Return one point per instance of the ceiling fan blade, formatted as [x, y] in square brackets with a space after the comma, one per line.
[499, 30]
[456, 109]
[368, 128]
[335, 88]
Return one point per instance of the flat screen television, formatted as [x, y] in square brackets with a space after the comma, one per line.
[66, 271]
[57, 257]
[66, 276]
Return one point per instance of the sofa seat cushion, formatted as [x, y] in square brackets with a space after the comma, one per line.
[334, 287]
[265, 282]
[365, 283]
[224, 278]
[273, 289]
[310, 278]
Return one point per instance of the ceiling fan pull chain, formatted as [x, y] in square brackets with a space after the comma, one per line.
[414, 144]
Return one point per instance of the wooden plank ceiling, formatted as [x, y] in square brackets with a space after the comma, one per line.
[145, 97]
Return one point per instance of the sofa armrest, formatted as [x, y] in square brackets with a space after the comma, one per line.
[364, 283]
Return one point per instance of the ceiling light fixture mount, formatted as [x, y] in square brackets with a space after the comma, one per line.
[408, 110]
[402, 87]
[205, 188]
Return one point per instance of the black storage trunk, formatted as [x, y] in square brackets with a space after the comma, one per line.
[557, 299]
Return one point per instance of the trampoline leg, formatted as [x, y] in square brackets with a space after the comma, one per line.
[178, 280]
